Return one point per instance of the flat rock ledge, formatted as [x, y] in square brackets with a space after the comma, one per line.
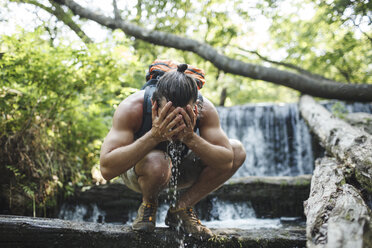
[270, 197]
[19, 231]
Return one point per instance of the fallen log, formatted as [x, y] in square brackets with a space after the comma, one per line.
[16, 231]
[336, 213]
[350, 145]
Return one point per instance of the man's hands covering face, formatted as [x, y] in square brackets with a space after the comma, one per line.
[189, 118]
[172, 123]
[167, 123]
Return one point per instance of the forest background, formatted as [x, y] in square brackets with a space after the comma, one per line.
[62, 76]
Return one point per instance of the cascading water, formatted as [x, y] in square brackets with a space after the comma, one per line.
[276, 139]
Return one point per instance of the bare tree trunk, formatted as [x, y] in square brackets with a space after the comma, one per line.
[350, 145]
[223, 96]
[336, 213]
[305, 84]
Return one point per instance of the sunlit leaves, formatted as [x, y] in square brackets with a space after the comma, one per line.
[325, 44]
[56, 105]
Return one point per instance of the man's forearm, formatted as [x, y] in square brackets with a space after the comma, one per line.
[123, 158]
[212, 155]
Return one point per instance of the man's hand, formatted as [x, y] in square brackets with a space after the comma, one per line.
[165, 125]
[189, 119]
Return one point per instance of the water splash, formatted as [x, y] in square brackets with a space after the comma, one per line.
[174, 151]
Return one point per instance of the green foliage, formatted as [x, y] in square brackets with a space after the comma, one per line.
[328, 43]
[56, 105]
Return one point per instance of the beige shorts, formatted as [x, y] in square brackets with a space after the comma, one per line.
[189, 171]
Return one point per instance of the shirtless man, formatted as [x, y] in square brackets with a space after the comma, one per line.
[135, 149]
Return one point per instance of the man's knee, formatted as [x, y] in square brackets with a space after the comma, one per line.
[239, 153]
[155, 166]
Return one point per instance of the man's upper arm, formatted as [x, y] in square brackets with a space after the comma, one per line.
[210, 128]
[124, 125]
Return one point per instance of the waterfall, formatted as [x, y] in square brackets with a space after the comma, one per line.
[276, 138]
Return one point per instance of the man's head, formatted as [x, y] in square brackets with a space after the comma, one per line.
[177, 87]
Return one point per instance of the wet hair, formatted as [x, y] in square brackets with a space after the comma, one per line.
[177, 87]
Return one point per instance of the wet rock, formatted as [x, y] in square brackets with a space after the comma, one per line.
[18, 231]
[270, 197]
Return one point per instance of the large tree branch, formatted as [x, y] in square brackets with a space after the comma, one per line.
[302, 83]
[288, 65]
[60, 14]
[66, 19]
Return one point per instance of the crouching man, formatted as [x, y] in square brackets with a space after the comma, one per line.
[136, 149]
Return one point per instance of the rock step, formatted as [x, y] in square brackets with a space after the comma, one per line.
[270, 197]
[17, 231]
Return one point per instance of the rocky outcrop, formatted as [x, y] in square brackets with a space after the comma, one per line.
[40, 232]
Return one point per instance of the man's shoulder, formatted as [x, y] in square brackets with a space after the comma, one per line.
[135, 100]
[208, 113]
[130, 110]
[208, 107]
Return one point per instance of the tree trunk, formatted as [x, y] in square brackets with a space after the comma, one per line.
[223, 96]
[348, 144]
[303, 83]
[336, 213]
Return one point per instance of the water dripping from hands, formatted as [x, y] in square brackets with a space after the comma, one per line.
[174, 151]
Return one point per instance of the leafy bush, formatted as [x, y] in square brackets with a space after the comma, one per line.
[56, 104]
